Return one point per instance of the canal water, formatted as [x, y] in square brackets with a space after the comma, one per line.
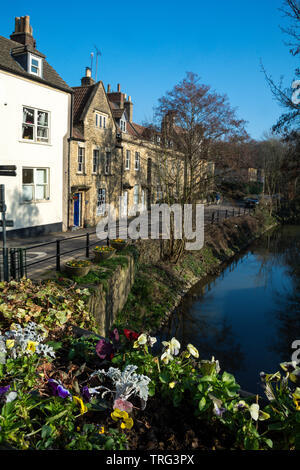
[248, 316]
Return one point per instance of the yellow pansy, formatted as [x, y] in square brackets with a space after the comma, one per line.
[31, 346]
[296, 398]
[101, 430]
[172, 384]
[127, 423]
[10, 343]
[83, 407]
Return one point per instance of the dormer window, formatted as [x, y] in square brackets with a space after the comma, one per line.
[35, 65]
[123, 125]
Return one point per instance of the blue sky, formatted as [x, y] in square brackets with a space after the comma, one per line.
[148, 47]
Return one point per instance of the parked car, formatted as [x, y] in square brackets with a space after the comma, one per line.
[251, 202]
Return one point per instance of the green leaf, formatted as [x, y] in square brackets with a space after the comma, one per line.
[59, 415]
[251, 444]
[109, 444]
[202, 404]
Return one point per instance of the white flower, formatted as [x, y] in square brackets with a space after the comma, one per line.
[166, 357]
[151, 340]
[192, 350]
[254, 410]
[173, 346]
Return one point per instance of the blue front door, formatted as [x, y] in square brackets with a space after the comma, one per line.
[77, 206]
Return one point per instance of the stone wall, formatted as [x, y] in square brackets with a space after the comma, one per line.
[108, 299]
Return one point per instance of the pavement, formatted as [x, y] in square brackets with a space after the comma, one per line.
[72, 244]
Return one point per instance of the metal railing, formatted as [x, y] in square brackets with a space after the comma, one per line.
[15, 262]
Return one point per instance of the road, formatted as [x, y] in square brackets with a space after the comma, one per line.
[73, 244]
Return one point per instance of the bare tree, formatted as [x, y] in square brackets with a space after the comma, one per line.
[195, 120]
[284, 96]
[198, 126]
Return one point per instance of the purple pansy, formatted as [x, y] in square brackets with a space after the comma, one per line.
[104, 349]
[57, 389]
[3, 390]
[86, 393]
[114, 335]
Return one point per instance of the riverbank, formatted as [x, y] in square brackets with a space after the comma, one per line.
[160, 286]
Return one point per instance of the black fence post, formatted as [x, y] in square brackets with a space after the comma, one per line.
[212, 217]
[226, 214]
[22, 263]
[87, 252]
[57, 255]
[5, 265]
[13, 263]
[107, 241]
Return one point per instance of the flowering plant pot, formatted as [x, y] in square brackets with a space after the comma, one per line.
[78, 268]
[118, 244]
[103, 252]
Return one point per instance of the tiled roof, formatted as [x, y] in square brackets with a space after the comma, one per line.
[140, 130]
[7, 62]
[81, 96]
[117, 113]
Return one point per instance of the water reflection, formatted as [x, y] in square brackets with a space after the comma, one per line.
[248, 316]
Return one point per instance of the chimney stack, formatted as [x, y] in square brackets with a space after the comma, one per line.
[128, 105]
[108, 88]
[87, 80]
[23, 31]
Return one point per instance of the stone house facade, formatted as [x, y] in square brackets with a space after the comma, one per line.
[115, 160]
[94, 157]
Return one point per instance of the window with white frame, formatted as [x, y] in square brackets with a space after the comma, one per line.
[107, 163]
[123, 125]
[136, 194]
[35, 125]
[35, 65]
[80, 160]
[95, 161]
[127, 160]
[137, 161]
[100, 120]
[101, 201]
[35, 184]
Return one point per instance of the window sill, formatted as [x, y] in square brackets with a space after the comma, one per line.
[27, 141]
[36, 202]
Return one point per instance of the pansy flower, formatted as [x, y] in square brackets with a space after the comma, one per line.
[104, 349]
[4, 390]
[57, 389]
[131, 335]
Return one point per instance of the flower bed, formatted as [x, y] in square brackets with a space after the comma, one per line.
[77, 267]
[118, 244]
[103, 252]
[113, 393]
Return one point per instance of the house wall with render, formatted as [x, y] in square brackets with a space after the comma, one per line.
[15, 93]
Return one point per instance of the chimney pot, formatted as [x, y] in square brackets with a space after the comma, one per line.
[88, 72]
[23, 31]
[119, 88]
[26, 24]
[17, 24]
[108, 88]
